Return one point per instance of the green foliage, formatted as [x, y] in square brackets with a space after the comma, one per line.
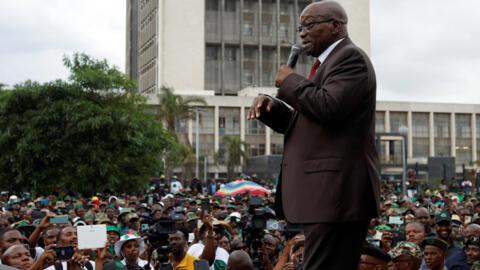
[232, 153]
[86, 135]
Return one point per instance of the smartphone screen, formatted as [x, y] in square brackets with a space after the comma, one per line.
[62, 219]
[64, 252]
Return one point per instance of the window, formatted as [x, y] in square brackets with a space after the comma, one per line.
[206, 120]
[257, 149]
[463, 126]
[420, 132]
[230, 6]
[397, 120]
[441, 126]
[229, 121]
[463, 142]
[212, 5]
[379, 121]
[253, 127]
[276, 148]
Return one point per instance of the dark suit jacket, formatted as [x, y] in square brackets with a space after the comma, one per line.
[329, 168]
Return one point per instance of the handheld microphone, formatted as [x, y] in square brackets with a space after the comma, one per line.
[294, 54]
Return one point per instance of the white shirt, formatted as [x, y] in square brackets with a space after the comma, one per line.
[175, 186]
[140, 263]
[64, 266]
[221, 254]
[325, 53]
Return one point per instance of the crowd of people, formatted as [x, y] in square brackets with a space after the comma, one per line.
[434, 229]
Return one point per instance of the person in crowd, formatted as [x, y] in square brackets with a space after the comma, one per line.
[239, 260]
[405, 256]
[212, 187]
[422, 216]
[129, 248]
[458, 261]
[224, 243]
[206, 248]
[18, 256]
[10, 237]
[175, 185]
[443, 228]
[434, 253]
[180, 259]
[374, 258]
[415, 233]
[196, 186]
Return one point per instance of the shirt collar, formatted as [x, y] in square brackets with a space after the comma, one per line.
[325, 53]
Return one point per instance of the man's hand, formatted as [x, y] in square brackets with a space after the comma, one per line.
[45, 222]
[259, 103]
[46, 259]
[282, 73]
[208, 222]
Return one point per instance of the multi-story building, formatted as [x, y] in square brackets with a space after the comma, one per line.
[229, 50]
[220, 45]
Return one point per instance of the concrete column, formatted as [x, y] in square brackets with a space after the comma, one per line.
[409, 135]
[474, 139]
[267, 140]
[453, 135]
[215, 127]
[190, 130]
[387, 129]
[242, 123]
[431, 134]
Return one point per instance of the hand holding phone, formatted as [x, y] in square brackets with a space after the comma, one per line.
[63, 252]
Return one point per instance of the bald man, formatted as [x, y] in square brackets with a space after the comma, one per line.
[458, 261]
[328, 179]
[239, 260]
[422, 216]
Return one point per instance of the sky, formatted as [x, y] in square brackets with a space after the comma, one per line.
[422, 50]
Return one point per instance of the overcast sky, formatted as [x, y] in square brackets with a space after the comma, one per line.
[422, 50]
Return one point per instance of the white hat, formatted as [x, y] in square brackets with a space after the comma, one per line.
[112, 198]
[130, 235]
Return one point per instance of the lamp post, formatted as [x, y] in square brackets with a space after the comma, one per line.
[403, 130]
[196, 111]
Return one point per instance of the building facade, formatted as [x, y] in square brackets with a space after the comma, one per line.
[433, 129]
[220, 45]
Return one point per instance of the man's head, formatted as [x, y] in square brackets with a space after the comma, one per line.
[239, 260]
[18, 256]
[422, 216]
[270, 243]
[471, 230]
[374, 258]
[406, 255]
[10, 238]
[50, 234]
[443, 226]
[472, 249]
[322, 24]
[415, 233]
[434, 252]
[178, 241]
[67, 236]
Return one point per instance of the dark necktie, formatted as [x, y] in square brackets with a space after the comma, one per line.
[314, 69]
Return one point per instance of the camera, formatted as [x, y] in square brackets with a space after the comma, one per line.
[157, 237]
[254, 228]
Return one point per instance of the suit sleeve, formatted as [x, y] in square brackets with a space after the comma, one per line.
[279, 116]
[345, 89]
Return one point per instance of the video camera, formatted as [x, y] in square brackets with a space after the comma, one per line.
[254, 228]
[157, 238]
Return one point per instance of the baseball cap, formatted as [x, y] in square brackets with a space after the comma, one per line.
[443, 216]
[433, 241]
[406, 248]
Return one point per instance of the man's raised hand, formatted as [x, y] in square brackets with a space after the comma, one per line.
[261, 102]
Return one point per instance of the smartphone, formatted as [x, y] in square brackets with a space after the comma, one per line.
[201, 265]
[61, 219]
[206, 207]
[144, 227]
[395, 220]
[45, 202]
[273, 225]
[63, 253]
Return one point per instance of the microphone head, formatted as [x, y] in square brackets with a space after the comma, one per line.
[297, 49]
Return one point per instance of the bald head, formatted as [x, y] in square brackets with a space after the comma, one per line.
[472, 230]
[326, 10]
[239, 260]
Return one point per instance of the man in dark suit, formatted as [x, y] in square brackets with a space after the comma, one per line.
[328, 181]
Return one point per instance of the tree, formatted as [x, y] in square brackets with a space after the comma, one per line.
[86, 134]
[232, 153]
[175, 107]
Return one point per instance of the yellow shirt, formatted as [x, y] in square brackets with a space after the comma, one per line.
[186, 263]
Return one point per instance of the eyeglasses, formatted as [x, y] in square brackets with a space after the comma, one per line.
[309, 26]
[3, 225]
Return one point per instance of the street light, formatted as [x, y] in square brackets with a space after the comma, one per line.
[403, 130]
[196, 110]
